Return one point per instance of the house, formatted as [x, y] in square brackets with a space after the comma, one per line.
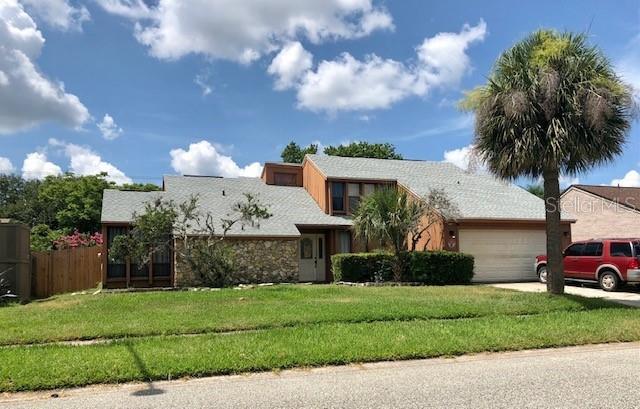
[502, 225]
[602, 211]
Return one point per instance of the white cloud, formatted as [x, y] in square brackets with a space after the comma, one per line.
[459, 157]
[59, 14]
[28, 97]
[83, 161]
[244, 30]
[36, 166]
[202, 80]
[290, 64]
[630, 179]
[349, 84]
[6, 167]
[566, 181]
[202, 158]
[109, 129]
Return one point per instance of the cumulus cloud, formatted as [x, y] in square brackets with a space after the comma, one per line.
[350, 84]
[6, 167]
[290, 64]
[108, 127]
[84, 161]
[37, 166]
[59, 14]
[202, 158]
[247, 29]
[630, 179]
[459, 157]
[28, 97]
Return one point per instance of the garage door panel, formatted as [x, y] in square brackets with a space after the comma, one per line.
[503, 255]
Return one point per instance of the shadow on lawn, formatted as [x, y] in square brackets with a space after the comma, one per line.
[151, 389]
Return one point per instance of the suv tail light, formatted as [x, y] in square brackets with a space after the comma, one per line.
[634, 263]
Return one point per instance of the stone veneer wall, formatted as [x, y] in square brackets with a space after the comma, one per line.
[256, 261]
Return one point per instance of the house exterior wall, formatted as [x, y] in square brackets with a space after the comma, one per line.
[316, 185]
[597, 217]
[258, 260]
[270, 170]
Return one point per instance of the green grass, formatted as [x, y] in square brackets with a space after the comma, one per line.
[163, 313]
[292, 326]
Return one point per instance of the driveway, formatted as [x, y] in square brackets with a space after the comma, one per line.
[623, 297]
[596, 376]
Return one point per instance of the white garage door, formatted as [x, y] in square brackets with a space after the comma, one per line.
[503, 255]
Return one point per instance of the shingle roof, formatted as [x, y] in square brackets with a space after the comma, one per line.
[477, 196]
[628, 196]
[290, 206]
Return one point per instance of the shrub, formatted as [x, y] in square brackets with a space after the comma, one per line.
[440, 267]
[426, 267]
[362, 267]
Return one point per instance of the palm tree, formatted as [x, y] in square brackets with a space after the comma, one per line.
[388, 217]
[552, 105]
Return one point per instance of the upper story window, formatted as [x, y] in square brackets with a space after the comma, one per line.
[337, 197]
[353, 192]
[285, 179]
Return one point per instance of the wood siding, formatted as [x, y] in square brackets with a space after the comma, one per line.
[62, 271]
[316, 185]
[270, 169]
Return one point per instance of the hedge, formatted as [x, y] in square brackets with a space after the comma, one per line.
[427, 267]
[362, 267]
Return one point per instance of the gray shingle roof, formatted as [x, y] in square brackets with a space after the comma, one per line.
[290, 206]
[477, 196]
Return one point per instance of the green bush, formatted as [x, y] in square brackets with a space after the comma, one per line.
[362, 267]
[440, 267]
[427, 267]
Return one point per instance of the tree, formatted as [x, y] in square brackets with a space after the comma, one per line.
[364, 150]
[436, 208]
[140, 187]
[19, 199]
[388, 216]
[293, 153]
[552, 105]
[536, 189]
[202, 247]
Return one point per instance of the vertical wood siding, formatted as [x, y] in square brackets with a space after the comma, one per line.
[61, 271]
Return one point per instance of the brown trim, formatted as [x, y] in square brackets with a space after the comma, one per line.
[515, 223]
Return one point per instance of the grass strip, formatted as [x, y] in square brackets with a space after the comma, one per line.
[143, 359]
[85, 317]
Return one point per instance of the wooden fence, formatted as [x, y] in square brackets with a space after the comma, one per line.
[61, 271]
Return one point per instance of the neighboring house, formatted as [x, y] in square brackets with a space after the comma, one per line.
[602, 211]
[500, 224]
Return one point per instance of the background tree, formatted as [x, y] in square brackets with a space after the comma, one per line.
[436, 208]
[552, 105]
[293, 153]
[364, 150]
[19, 199]
[536, 189]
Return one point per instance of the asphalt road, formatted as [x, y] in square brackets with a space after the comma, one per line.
[600, 376]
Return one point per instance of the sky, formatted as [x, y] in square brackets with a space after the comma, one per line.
[140, 89]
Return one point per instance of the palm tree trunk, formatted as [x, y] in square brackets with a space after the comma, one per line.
[555, 267]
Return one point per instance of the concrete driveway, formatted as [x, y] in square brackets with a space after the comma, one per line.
[626, 296]
[594, 376]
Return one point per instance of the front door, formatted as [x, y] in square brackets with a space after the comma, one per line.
[312, 254]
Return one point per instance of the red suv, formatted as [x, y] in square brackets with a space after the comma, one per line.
[610, 262]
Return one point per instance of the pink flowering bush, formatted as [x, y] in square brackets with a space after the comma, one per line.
[78, 239]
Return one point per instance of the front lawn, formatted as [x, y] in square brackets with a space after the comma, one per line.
[285, 326]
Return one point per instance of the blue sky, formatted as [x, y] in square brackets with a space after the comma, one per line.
[219, 87]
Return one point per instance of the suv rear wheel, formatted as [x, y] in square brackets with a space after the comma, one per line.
[542, 274]
[609, 280]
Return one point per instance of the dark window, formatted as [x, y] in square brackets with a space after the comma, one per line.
[593, 249]
[620, 249]
[116, 268]
[575, 250]
[139, 271]
[353, 192]
[337, 197]
[306, 248]
[636, 248]
[320, 247]
[344, 242]
[162, 263]
[285, 179]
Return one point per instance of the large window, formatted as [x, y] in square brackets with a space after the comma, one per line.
[116, 268]
[337, 197]
[353, 192]
[344, 242]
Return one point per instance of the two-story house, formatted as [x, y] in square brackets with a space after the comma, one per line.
[502, 225]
